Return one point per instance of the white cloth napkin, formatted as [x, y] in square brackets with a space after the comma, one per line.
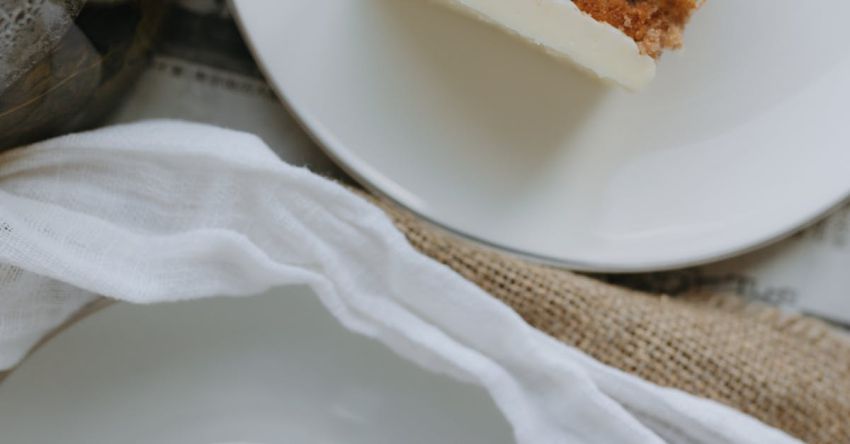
[165, 210]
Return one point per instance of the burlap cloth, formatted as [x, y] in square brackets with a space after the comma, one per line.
[789, 371]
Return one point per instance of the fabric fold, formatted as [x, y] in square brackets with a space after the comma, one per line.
[163, 210]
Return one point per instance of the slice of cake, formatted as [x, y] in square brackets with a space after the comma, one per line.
[615, 39]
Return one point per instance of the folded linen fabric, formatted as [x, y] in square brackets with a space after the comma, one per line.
[162, 211]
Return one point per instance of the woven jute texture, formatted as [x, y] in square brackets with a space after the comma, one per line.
[789, 371]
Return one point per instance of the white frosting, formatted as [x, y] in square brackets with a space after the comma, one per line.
[563, 29]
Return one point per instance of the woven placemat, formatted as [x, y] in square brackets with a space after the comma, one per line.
[789, 371]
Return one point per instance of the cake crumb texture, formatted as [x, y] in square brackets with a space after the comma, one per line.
[655, 25]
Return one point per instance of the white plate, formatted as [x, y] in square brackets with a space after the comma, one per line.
[265, 370]
[742, 137]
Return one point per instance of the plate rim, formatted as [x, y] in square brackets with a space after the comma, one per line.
[360, 172]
